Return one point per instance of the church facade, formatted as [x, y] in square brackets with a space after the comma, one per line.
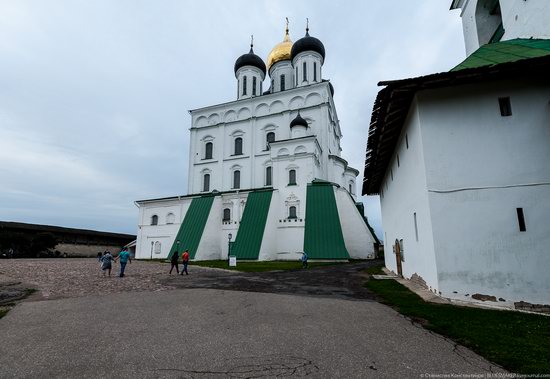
[266, 176]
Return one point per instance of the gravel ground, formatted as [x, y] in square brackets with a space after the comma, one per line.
[60, 278]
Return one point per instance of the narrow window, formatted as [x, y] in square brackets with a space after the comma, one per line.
[226, 214]
[244, 85]
[208, 150]
[206, 183]
[391, 172]
[521, 220]
[415, 227]
[505, 106]
[315, 71]
[397, 160]
[253, 86]
[272, 85]
[236, 179]
[292, 177]
[292, 212]
[407, 140]
[270, 137]
[268, 171]
[155, 220]
[282, 82]
[350, 188]
[296, 76]
[304, 74]
[238, 146]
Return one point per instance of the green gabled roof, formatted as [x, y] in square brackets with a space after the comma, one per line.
[323, 238]
[190, 232]
[251, 230]
[505, 52]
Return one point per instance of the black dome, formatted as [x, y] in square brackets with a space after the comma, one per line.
[307, 43]
[298, 121]
[250, 59]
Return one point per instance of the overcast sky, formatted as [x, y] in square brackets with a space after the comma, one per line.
[94, 94]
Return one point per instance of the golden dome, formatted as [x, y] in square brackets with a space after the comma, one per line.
[280, 52]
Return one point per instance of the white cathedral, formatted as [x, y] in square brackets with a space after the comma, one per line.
[266, 176]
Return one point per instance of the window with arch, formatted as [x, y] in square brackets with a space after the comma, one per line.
[351, 188]
[292, 212]
[226, 215]
[269, 137]
[236, 179]
[206, 183]
[238, 146]
[253, 86]
[154, 220]
[304, 72]
[158, 247]
[268, 175]
[208, 148]
[170, 218]
[292, 177]
[296, 76]
[314, 71]
[282, 82]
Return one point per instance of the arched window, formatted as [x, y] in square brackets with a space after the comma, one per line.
[206, 183]
[292, 177]
[282, 82]
[158, 247]
[314, 71]
[155, 220]
[269, 137]
[170, 218]
[296, 76]
[244, 85]
[208, 150]
[238, 146]
[268, 171]
[292, 212]
[253, 86]
[304, 74]
[226, 214]
[236, 179]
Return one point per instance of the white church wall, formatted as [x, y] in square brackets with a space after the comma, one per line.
[268, 247]
[473, 204]
[210, 247]
[403, 197]
[357, 236]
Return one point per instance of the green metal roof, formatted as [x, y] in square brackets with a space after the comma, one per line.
[323, 237]
[193, 224]
[506, 51]
[251, 230]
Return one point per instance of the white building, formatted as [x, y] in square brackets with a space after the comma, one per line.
[460, 161]
[266, 170]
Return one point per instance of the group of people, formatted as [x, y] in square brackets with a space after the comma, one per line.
[106, 261]
[175, 259]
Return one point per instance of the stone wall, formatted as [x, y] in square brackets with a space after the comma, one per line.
[75, 250]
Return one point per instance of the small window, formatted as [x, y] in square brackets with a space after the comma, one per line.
[296, 76]
[407, 140]
[269, 137]
[155, 220]
[521, 220]
[415, 227]
[206, 183]
[304, 73]
[350, 186]
[268, 174]
[272, 85]
[236, 179]
[282, 82]
[292, 177]
[238, 146]
[314, 71]
[292, 212]
[397, 160]
[253, 86]
[170, 218]
[244, 85]
[226, 214]
[208, 150]
[505, 106]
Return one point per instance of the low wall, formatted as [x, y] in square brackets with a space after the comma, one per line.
[75, 250]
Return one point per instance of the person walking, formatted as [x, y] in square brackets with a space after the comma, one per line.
[174, 262]
[124, 257]
[304, 260]
[107, 262]
[185, 261]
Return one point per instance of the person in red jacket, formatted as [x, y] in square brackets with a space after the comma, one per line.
[185, 261]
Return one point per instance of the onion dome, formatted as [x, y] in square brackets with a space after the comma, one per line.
[281, 51]
[250, 59]
[307, 43]
[298, 121]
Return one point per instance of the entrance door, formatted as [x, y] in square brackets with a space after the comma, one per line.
[398, 257]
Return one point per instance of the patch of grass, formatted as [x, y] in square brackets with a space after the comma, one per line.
[261, 266]
[3, 311]
[375, 270]
[519, 342]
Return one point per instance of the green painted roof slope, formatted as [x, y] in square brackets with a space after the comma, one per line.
[506, 51]
[193, 224]
[323, 237]
[251, 230]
